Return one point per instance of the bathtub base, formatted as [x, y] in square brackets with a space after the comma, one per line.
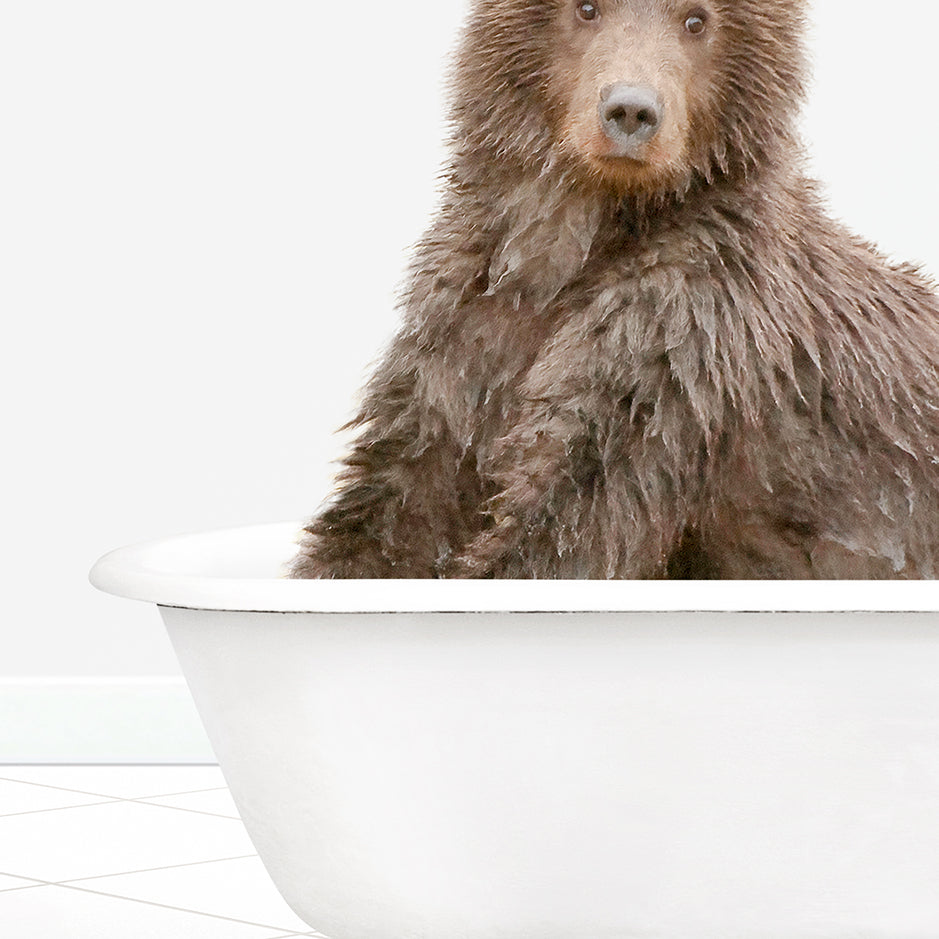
[582, 776]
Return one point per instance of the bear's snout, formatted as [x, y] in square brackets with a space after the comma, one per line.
[630, 115]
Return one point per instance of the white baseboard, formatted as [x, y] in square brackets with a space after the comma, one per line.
[100, 720]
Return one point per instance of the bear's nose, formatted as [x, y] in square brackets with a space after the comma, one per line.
[630, 115]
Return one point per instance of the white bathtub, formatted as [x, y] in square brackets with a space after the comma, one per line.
[542, 760]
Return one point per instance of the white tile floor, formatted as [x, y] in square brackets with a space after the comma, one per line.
[153, 852]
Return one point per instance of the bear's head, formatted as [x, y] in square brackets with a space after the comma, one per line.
[638, 96]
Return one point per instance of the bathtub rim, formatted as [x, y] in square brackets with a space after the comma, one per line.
[195, 571]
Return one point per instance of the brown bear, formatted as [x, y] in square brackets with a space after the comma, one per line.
[634, 344]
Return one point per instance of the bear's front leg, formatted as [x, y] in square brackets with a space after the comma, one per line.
[578, 498]
[405, 500]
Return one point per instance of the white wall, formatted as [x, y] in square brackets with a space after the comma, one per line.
[204, 211]
[871, 121]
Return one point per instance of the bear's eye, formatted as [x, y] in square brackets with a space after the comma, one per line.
[696, 22]
[587, 10]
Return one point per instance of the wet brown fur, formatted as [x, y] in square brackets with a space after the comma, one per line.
[679, 368]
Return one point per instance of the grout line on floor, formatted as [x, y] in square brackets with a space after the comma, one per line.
[109, 800]
[166, 906]
[168, 795]
[24, 887]
[181, 808]
[145, 870]
[70, 885]
[62, 808]
[33, 882]
[106, 798]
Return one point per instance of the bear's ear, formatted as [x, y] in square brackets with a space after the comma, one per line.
[761, 76]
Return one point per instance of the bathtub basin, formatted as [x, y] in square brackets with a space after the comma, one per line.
[549, 760]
